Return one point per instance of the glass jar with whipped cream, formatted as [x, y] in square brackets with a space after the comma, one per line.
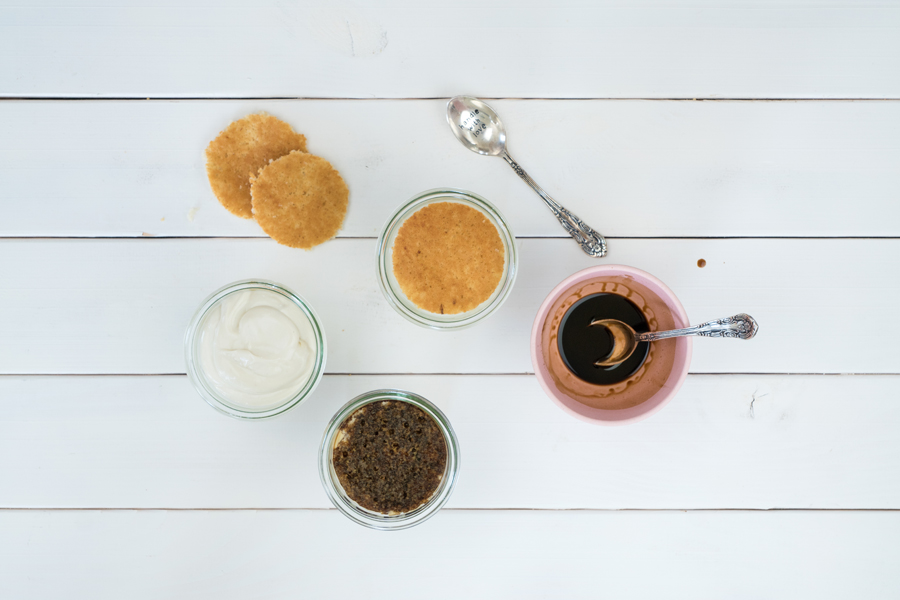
[254, 349]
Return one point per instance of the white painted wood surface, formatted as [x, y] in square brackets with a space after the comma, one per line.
[122, 306]
[726, 441]
[694, 555]
[606, 49]
[97, 424]
[629, 168]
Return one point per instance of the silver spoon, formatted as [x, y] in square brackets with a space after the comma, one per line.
[625, 340]
[478, 127]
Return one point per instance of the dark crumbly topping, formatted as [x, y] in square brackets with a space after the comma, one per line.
[389, 456]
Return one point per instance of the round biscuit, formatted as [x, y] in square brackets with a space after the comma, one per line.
[299, 200]
[240, 150]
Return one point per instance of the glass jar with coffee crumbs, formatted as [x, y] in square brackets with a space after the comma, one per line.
[389, 459]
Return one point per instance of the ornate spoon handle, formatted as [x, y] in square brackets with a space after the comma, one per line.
[591, 242]
[739, 326]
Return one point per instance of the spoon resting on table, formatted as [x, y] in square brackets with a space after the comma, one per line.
[478, 127]
[625, 340]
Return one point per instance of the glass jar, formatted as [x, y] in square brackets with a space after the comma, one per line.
[391, 288]
[209, 393]
[369, 518]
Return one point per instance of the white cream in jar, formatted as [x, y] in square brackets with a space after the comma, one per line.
[257, 348]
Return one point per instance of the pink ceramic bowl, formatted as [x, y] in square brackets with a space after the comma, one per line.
[680, 365]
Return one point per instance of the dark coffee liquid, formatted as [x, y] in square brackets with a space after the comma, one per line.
[581, 345]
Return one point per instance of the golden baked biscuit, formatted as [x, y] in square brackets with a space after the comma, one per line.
[240, 150]
[299, 200]
[448, 258]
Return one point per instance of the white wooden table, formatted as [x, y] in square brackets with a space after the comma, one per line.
[762, 137]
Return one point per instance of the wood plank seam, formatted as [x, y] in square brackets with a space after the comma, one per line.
[262, 236]
[439, 374]
[463, 510]
[389, 99]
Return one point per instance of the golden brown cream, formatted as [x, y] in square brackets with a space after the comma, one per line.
[448, 258]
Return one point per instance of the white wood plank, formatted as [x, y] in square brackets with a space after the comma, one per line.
[660, 49]
[726, 441]
[121, 306]
[630, 168]
[482, 554]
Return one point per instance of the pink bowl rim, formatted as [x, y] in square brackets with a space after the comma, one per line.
[655, 403]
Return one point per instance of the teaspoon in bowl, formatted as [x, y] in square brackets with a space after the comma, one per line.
[478, 127]
[625, 340]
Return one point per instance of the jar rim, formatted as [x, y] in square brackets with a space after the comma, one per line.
[395, 296]
[374, 520]
[210, 395]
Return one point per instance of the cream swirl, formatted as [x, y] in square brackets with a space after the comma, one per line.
[257, 348]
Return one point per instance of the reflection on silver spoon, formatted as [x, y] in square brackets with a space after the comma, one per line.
[478, 127]
[625, 340]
